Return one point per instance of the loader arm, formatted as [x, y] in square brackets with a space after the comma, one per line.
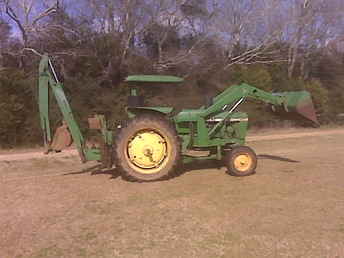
[48, 79]
[297, 101]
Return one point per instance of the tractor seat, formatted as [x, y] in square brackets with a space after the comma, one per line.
[136, 101]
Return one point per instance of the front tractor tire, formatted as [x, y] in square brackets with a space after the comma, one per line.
[241, 161]
[147, 149]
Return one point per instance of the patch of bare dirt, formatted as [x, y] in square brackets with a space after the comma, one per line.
[262, 135]
[292, 133]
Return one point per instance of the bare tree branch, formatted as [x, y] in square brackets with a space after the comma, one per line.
[45, 13]
[26, 26]
[14, 17]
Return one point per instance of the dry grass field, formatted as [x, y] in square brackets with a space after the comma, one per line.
[292, 207]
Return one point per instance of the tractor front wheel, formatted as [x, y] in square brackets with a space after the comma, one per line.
[241, 161]
[147, 149]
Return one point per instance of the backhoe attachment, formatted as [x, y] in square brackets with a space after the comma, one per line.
[69, 131]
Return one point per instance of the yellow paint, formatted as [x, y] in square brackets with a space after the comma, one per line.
[243, 162]
[148, 151]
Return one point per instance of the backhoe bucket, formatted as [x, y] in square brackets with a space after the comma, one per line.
[301, 103]
[62, 138]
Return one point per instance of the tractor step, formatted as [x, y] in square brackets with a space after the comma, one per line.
[196, 153]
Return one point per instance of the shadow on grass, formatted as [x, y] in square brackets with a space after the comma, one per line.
[216, 164]
[186, 168]
[96, 170]
[200, 165]
[273, 157]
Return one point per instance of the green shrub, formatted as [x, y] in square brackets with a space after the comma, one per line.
[256, 75]
[16, 109]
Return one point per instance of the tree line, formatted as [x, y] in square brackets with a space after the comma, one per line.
[275, 45]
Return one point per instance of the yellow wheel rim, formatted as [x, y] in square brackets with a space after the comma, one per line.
[147, 151]
[243, 162]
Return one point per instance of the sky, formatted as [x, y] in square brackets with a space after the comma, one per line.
[81, 7]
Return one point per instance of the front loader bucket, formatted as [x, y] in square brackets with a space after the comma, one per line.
[301, 103]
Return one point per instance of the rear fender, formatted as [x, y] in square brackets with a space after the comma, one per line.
[134, 111]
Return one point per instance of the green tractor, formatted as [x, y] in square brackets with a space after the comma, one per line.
[155, 141]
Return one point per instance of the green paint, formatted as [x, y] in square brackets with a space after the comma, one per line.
[154, 78]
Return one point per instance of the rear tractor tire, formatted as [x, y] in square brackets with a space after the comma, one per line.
[147, 149]
[241, 161]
